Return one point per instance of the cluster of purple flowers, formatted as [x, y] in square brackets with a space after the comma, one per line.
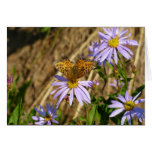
[112, 43]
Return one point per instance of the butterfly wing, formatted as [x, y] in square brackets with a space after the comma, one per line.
[65, 67]
[82, 67]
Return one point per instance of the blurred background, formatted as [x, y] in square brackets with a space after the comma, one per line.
[33, 52]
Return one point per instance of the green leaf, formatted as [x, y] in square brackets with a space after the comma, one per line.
[92, 115]
[15, 116]
[102, 76]
[140, 89]
[98, 117]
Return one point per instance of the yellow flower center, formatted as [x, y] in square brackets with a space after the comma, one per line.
[113, 42]
[129, 105]
[72, 84]
[47, 118]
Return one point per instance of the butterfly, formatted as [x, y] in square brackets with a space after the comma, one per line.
[74, 71]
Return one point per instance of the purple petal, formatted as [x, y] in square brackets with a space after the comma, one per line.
[104, 36]
[124, 117]
[54, 121]
[83, 95]
[49, 122]
[126, 37]
[129, 118]
[125, 48]
[60, 78]
[136, 96]
[123, 32]
[40, 123]
[78, 96]
[104, 56]
[127, 96]
[110, 55]
[121, 98]
[116, 104]
[85, 83]
[102, 53]
[116, 112]
[58, 83]
[71, 97]
[139, 101]
[107, 31]
[115, 56]
[123, 52]
[37, 118]
[85, 91]
[62, 96]
[59, 92]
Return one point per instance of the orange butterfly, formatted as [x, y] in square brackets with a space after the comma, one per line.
[74, 71]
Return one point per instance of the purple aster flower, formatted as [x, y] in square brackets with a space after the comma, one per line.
[94, 84]
[112, 42]
[128, 105]
[46, 117]
[77, 88]
[9, 81]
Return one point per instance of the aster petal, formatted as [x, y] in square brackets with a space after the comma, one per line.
[58, 83]
[59, 92]
[107, 31]
[125, 48]
[139, 110]
[136, 96]
[57, 89]
[102, 53]
[123, 32]
[132, 42]
[91, 49]
[60, 78]
[116, 104]
[83, 96]
[41, 111]
[139, 101]
[100, 48]
[104, 56]
[49, 122]
[37, 118]
[115, 56]
[124, 117]
[121, 98]
[40, 123]
[62, 96]
[126, 37]
[104, 36]
[78, 96]
[116, 112]
[127, 96]
[85, 91]
[55, 121]
[129, 118]
[110, 55]
[71, 97]
[85, 83]
[123, 52]
[55, 116]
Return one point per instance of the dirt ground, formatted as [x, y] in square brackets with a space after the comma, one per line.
[34, 54]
